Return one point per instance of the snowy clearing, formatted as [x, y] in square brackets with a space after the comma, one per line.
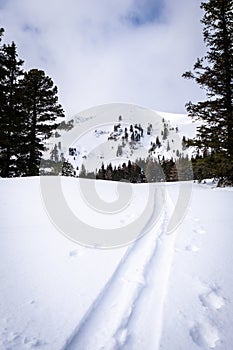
[170, 292]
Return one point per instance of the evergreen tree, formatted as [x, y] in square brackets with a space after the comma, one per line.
[153, 171]
[41, 107]
[214, 73]
[165, 132]
[54, 154]
[2, 68]
[11, 115]
[119, 151]
[184, 168]
[68, 169]
[108, 174]
[28, 109]
[170, 170]
[134, 172]
[149, 127]
[158, 143]
[101, 172]
[184, 143]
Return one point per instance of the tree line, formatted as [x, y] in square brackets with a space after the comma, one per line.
[142, 170]
[29, 109]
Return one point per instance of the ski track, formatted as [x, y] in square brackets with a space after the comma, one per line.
[135, 292]
[149, 308]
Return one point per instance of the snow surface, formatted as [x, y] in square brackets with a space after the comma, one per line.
[170, 292]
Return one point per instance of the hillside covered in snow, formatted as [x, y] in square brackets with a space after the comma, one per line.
[117, 133]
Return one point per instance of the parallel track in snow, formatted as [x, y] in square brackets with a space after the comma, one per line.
[129, 310]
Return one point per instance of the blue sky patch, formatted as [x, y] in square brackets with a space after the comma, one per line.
[3, 3]
[145, 11]
[32, 29]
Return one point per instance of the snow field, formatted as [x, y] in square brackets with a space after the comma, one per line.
[163, 292]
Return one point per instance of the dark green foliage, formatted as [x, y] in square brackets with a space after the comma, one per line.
[66, 126]
[54, 154]
[86, 174]
[68, 169]
[158, 143]
[153, 171]
[149, 129]
[41, 108]
[11, 114]
[184, 169]
[170, 170]
[28, 112]
[119, 151]
[214, 165]
[130, 172]
[51, 167]
[147, 170]
[214, 73]
[184, 143]
[165, 132]
[83, 172]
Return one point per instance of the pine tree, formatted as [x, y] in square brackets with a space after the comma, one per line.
[40, 104]
[119, 151]
[184, 143]
[153, 171]
[11, 115]
[28, 109]
[170, 170]
[214, 73]
[158, 143]
[54, 154]
[68, 169]
[2, 70]
[83, 172]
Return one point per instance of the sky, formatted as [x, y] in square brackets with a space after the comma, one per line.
[104, 51]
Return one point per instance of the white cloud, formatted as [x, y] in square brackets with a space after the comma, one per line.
[95, 56]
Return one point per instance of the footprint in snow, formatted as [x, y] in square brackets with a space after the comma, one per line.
[192, 248]
[76, 252]
[196, 219]
[200, 231]
[73, 253]
[205, 335]
[32, 342]
[13, 336]
[212, 300]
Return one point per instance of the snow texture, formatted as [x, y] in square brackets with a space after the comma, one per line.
[161, 292]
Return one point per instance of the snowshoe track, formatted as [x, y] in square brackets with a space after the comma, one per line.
[134, 293]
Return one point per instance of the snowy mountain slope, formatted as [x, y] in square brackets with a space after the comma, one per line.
[161, 292]
[98, 143]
